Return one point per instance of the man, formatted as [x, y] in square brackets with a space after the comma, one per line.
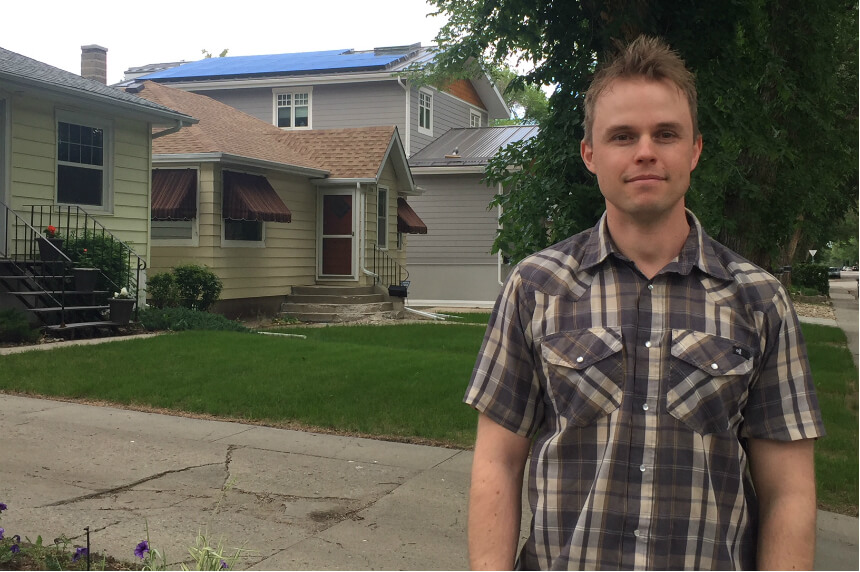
[658, 379]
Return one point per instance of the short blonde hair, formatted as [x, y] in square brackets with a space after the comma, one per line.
[645, 57]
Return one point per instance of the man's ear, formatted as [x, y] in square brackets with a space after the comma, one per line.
[697, 152]
[586, 151]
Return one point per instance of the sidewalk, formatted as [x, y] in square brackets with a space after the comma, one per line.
[297, 500]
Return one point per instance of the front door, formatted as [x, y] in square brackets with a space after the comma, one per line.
[337, 236]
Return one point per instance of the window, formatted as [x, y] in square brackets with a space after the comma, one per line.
[425, 112]
[474, 118]
[293, 109]
[399, 241]
[82, 161]
[382, 217]
[249, 230]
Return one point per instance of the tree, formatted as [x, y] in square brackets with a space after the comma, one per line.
[777, 107]
[207, 54]
[528, 102]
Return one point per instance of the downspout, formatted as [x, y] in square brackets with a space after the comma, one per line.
[179, 125]
[408, 139]
[362, 256]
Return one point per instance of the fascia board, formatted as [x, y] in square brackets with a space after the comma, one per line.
[448, 170]
[168, 158]
[401, 163]
[280, 81]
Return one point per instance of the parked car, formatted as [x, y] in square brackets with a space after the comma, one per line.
[834, 272]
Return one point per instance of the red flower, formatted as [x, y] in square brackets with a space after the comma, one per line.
[51, 231]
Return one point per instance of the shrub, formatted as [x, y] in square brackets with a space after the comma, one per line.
[198, 286]
[162, 290]
[99, 250]
[14, 327]
[178, 319]
[811, 276]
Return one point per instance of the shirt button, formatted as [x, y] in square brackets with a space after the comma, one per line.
[642, 468]
[647, 344]
[714, 366]
[636, 533]
[650, 286]
[580, 359]
[644, 407]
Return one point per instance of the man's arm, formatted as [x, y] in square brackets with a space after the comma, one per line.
[495, 498]
[783, 473]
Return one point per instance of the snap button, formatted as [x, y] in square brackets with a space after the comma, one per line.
[647, 344]
[644, 407]
[636, 533]
[650, 286]
[642, 468]
[581, 359]
[714, 366]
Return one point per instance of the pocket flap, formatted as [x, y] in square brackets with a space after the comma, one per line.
[710, 353]
[579, 349]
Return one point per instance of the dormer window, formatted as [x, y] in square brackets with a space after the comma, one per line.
[425, 112]
[293, 108]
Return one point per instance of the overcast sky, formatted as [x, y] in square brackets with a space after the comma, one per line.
[151, 31]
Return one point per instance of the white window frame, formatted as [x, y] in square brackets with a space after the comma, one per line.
[106, 125]
[230, 243]
[473, 115]
[425, 129]
[382, 218]
[292, 92]
[195, 222]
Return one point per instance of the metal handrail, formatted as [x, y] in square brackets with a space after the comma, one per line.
[19, 243]
[387, 270]
[76, 223]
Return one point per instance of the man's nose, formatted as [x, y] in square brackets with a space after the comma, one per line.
[645, 151]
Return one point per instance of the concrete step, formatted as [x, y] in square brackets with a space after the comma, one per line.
[339, 318]
[346, 309]
[336, 298]
[334, 290]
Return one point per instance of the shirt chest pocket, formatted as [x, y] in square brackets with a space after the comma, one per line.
[585, 373]
[708, 380]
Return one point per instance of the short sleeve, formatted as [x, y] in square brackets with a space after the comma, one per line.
[504, 384]
[782, 404]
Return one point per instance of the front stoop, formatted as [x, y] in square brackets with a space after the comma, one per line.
[339, 304]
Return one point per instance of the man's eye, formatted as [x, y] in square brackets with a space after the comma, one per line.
[621, 137]
[667, 135]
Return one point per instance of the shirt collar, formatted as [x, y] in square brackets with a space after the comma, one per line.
[697, 251]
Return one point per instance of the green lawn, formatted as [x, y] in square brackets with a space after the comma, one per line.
[403, 382]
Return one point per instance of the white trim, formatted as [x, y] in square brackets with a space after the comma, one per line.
[6, 149]
[442, 170]
[195, 222]
[292, 92]
[108, 153]
[387, 215]
[356, 206]
[474, 112]
[238, 160]
[430, 94]
[275, 82]
[242, 243]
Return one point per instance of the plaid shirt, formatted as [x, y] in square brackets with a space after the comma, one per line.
[640, 395]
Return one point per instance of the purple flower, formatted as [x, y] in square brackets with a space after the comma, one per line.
[142, 549]
[3, 506]
[223, 565]
[79, 552]
[17, 538]
[2, 530]
[15, 549]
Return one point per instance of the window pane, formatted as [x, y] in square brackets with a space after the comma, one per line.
[86, 135]
[63, 152]
[98, 137]
[98, 156]
[64, 131]
[243, 230]
[79, 185]
[301, 116]
[74, 133]
[75, 152]
[87, 155]
[301, 99]
[284, 117]
[380, 204]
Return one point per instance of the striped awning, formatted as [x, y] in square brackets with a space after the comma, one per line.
[407, 221]
[174, 194]
[251, 197]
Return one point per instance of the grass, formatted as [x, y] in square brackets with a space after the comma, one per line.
[401, 382]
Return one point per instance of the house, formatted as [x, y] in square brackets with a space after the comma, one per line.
[268, 210]
[75, 154]
[452, 265]
[337, 89]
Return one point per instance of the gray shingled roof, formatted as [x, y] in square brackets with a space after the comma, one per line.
[470, 146]
[15, 68]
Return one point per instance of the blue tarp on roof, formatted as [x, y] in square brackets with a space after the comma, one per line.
[277, 63]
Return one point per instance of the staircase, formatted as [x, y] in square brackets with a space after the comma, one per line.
[338, 304]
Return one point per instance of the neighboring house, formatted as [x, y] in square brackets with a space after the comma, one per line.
[452, 265]
[337, 89]
[73, 153]
[268, 209]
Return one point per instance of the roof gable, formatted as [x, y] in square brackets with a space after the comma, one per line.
[15, 68]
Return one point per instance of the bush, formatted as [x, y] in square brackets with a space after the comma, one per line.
[162, 290]
[811, 276]
[14, 327]
[198, 286]
[99, 250]
[178, 319]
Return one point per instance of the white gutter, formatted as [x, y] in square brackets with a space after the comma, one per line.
[408, 118]
[362, 254]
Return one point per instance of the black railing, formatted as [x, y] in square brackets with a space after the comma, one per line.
[19, 243]
[88, 242]
[388, 272]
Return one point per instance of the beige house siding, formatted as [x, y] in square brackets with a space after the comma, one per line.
[287, 256]
[33, 166]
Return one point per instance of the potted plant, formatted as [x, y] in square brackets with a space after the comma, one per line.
[50, 246]
[85, 273]
[121, 306]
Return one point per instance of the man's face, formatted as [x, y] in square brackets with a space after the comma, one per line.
[643, 149]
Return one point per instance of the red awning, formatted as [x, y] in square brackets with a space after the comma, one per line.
[174, 194]
[251, 197]
[407, 221]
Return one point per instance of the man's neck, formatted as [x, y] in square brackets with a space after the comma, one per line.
[652, 244]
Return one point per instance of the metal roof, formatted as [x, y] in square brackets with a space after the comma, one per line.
[23, 70]
[280, 64]
[470, 146]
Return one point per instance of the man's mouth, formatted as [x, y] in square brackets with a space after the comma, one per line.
[646, 177]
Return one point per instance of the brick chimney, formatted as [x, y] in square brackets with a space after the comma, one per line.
[94, 63]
